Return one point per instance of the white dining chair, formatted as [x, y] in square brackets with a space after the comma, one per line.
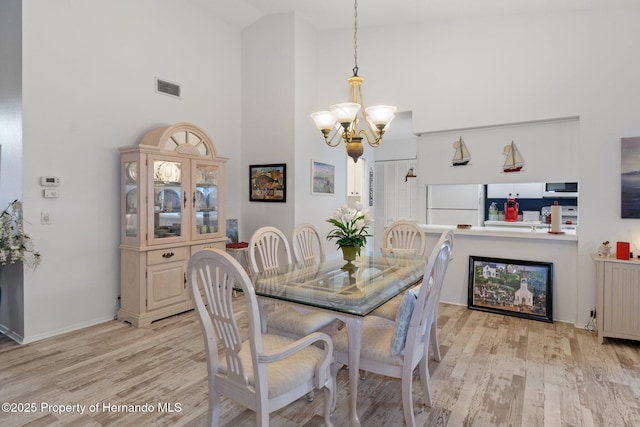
[262, 372]
[395, 348]
[400, 239]
[307, 244]
[390, 308]
[265, 244]
[404, 236]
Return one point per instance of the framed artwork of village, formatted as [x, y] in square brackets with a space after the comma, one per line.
[512, 287]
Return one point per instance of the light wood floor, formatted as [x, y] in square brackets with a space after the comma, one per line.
[495, 371]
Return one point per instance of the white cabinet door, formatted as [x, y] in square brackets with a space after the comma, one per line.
[499, 191]
[355, 177]
[531, 190]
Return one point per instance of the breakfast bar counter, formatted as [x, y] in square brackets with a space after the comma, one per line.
[540, 232]
[513, 243]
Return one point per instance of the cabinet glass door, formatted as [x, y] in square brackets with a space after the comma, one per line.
[131, 199]
[169, 200]
[205, 199]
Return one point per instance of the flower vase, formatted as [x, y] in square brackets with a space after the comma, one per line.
[349, 254]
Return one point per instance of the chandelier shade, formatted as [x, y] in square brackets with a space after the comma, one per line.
[381, 115]
[344, 112]
[340, 123]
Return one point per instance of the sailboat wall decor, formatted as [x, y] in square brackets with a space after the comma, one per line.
[514, 161]
[461, 156]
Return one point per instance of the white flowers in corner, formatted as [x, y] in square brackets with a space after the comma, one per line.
[352, 226]
[15, 244]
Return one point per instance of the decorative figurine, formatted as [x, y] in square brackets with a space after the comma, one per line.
[605, 249]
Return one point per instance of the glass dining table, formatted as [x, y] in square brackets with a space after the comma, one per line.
[347, 291]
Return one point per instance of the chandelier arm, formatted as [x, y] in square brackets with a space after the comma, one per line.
[374, 142]
[330, 137]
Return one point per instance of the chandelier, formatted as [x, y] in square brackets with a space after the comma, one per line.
[343, 119]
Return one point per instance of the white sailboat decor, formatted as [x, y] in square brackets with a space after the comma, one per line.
[461, 156]
[514, 161]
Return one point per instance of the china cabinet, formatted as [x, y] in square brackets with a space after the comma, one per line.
[172, 205]
[617, 298]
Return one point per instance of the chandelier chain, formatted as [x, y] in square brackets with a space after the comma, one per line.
[355, 38]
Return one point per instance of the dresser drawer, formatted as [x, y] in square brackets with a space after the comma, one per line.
[167, 255]
[217, 245]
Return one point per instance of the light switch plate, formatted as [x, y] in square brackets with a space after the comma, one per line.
[50, 193]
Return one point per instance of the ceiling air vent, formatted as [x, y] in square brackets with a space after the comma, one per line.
[167, 88]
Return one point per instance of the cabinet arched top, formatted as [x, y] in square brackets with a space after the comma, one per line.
[182, 138]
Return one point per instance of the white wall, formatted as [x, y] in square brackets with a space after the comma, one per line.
[88, 87]
[279, 81]
[548, 149]
[472, 73]
[309, 142]
[267, 116]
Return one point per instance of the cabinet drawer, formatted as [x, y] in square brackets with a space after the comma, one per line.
[217, 245]
[164, 255]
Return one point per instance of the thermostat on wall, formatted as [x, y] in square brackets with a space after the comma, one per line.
[49, 181]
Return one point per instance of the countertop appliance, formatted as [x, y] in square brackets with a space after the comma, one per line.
[560, 189]
[511, 210]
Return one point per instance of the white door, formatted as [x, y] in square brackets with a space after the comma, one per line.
[395, 197]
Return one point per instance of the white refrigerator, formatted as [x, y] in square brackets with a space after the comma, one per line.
[452, 204]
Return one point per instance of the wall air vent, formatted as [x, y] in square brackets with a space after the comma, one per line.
[167, 88]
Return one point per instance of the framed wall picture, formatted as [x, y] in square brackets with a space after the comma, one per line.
[268, 183]
[630, 178]
[323, 177]
[511, 287]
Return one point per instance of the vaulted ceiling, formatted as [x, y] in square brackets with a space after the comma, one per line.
[327, 14]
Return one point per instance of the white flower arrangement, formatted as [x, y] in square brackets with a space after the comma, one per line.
[15, 244]
[352, 226]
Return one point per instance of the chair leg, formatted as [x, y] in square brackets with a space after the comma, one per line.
[329, 399]
[407, 398]
[434, 341]
[214, 408]
[424, 380]
[262, 417]
[335, 367]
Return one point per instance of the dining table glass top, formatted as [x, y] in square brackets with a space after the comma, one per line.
[356, 289]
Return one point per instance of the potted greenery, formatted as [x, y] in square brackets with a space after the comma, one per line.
[352, 230]
[15, 244]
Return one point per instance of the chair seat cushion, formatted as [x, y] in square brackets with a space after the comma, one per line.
[389, 309]
[299, 324]
[377, 334]
[285, 374]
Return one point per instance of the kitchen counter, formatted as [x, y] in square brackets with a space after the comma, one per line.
[541, 231]
[526, 224]
[512, 243]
